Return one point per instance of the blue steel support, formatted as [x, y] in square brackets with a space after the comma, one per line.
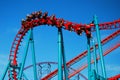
[64, 58]
[65, 67]
[25, 76]
[33, 56]
[60, 72]
[24, 57]
[95, 56]
[39, 71]
[93, 76]
[89, 58]
[23, 73]
[6, 69]
[100, 47]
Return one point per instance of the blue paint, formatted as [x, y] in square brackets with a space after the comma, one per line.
[7, 67]
[64, 58]
[60, 72]
[89, 58]
[95, 56]
[25, 55]
[100, 47]
[33, 56]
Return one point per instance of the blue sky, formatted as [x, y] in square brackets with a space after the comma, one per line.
[79, 11]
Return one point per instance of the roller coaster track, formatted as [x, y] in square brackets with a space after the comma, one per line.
[116, 77]
[40, 63]
[83, 54]
[105, 53]
[39, 18]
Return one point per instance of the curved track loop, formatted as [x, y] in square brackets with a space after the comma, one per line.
[40, 63]
[14, 52]
[39, 18]
[54, 63]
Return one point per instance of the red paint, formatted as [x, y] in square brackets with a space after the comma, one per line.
[35, 20]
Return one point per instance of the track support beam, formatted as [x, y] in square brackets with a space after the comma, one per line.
[95, 56]
[6, 69]
[33, 56]
[25, 55]
[60, 72]
[61, 57]
[100, 47]
[89, 58]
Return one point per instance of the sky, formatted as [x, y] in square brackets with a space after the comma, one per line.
[45, 37]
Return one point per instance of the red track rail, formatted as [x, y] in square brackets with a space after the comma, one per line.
[14, 51]
[37, 18]
[108, 25]
[82, 55]
[115, 77]
[85, 66]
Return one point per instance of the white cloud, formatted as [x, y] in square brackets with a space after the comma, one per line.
[3, 59]
[12, 30]
[3, 63]
[112, 70]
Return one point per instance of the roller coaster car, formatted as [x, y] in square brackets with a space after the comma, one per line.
[53, 20]
[52, 17]
[68, 26]
[38, 14]
[78, 29]
[23, 21]
[28, 17]
[88, 31]
[33, 15]
[44, 21]
[60, 23]
[79, 32]
[45, 15]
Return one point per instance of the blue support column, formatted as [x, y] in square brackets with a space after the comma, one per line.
[60, 72]
[100, 47]
[95, 56]
[23, 72]
[25, 55]
[5, 72]
[89, 58]
[25, 76]
[64, 58]
[65, 67]
[33, 56]
[93, 77]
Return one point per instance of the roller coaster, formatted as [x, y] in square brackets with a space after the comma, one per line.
[15, 68]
